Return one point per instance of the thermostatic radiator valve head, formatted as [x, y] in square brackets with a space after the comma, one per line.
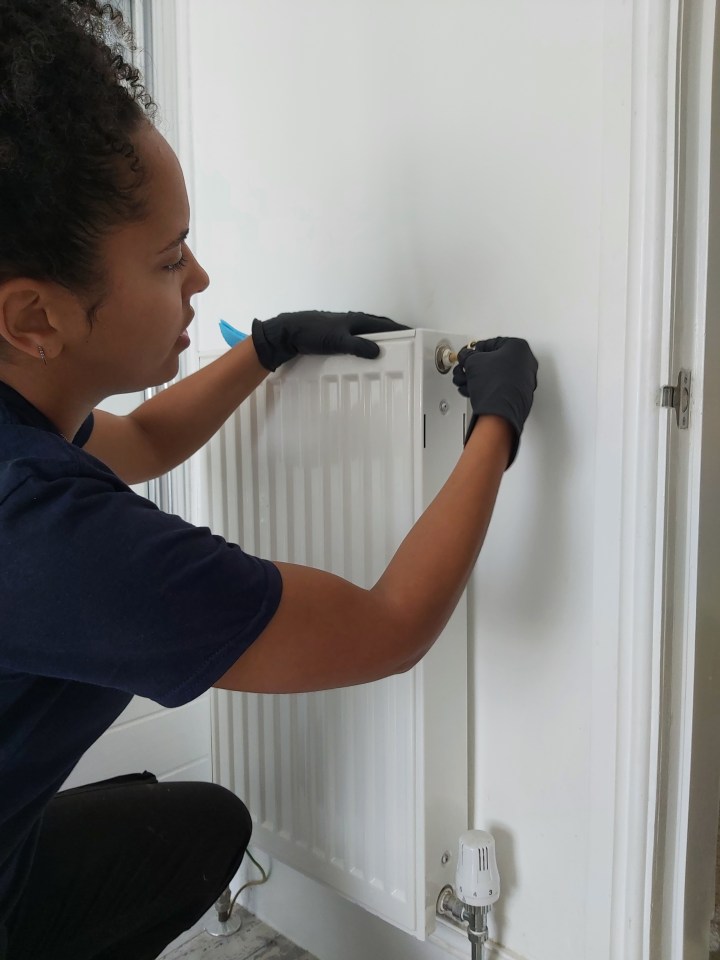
[477, 879]
[477, 883]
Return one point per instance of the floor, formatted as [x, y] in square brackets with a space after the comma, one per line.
[254, 941]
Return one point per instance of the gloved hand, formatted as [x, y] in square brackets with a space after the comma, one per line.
[318, 332]
[499, 376]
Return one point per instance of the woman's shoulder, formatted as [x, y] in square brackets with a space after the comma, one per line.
[30, 456]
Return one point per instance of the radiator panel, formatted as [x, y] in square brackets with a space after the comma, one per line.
[326, 465]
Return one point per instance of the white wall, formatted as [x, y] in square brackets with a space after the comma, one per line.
[456, 165]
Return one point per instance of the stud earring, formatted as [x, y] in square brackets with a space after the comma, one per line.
[42, 355]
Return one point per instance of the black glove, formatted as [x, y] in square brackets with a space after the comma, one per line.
[499, 376]
[319, 332]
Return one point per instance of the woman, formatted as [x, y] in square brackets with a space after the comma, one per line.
[102, 595]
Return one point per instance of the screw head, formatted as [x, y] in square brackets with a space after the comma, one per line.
[444, 407]
[445, 858]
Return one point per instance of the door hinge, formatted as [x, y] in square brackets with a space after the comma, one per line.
[678, 398]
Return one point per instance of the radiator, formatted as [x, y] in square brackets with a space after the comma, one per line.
[328, 464]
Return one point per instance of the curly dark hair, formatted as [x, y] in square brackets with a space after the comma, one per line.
[69, 106]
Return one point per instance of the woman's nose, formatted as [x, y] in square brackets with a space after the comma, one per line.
[198, 279]
[203, 280]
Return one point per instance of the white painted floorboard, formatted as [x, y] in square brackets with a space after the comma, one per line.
[254, 941]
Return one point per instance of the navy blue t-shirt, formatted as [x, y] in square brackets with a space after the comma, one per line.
[102, 596]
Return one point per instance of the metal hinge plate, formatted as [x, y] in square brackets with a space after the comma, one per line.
[678, 398]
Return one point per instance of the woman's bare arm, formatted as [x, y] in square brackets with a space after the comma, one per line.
[329, 633]
[167, 429]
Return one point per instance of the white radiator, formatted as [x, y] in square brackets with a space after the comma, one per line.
[328, 464]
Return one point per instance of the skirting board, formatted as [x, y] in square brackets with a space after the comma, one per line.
[454, 943]
[317, 919]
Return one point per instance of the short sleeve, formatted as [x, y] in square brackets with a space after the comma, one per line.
[105, 588]
[83, 434]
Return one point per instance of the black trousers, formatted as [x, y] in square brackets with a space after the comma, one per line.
[122, 867]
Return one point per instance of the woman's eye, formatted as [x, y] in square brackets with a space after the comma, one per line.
[178, 265]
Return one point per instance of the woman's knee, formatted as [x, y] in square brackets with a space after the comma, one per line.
[229, 811]
[214, 814]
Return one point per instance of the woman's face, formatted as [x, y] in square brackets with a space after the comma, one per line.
[138, 332]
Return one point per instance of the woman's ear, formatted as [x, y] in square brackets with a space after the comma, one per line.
[36, 314]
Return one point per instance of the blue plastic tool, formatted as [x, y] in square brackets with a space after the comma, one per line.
[231, 336]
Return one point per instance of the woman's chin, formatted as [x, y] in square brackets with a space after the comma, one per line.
[168, 374]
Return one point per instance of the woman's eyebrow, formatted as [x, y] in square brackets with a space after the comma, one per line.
[176, 242]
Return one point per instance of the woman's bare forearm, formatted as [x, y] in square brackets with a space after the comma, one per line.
[425, 578]
[179, 420]
[328, 632]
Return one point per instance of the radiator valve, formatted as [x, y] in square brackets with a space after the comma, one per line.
[477, 882]
[446, 357]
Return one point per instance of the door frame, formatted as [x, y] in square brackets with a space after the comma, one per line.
[634, 362]
[662, 327]
[689, 759]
